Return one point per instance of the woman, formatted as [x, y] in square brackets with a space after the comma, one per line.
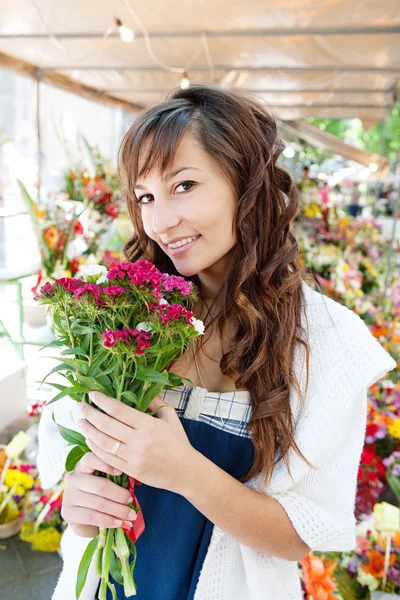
[245, 474]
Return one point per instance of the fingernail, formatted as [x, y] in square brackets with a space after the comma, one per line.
[117, 522]
[130, 499]
[92, 395]
[132, 516]
[117, 472]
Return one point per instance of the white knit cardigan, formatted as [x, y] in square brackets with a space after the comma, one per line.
[345, 360]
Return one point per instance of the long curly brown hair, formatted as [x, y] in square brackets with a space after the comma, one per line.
[262, 291]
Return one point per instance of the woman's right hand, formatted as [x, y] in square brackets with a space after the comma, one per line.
[90, 501]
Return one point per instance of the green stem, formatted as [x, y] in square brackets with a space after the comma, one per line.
[121, 384]
[105, 569]
[123, 553]
[99, 552]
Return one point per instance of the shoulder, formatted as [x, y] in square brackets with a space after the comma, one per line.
[341, 341]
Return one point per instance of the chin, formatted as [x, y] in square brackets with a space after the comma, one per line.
[186, 271]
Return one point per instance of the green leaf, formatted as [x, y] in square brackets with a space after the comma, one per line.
[73, 392]
[93, 384]
[149, 375]
[74, 457]
[61, 367]
[74, 351]
[151, 393]
[111, 587]
[72, 437]
[84, 566]
[175, 380]
[74, 363]
[81, 329]
[132, 548]
[97, 362]
[131, 397]
[116, 568]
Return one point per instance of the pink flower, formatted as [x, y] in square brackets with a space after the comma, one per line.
[69, 284]
[109, 338]
[138, 273]
[174, 282]
[138, 340]
[114, 290]
[173, 312]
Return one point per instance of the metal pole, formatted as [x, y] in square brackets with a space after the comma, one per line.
[391, 249]
[39, 137]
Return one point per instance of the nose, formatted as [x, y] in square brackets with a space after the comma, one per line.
[164, 216]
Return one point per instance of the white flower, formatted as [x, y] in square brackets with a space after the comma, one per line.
[198, 325]
[163, 301]
[144, 326]
[368, 524]
[93, 270]
[367, 579]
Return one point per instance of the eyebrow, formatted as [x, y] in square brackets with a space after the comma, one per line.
[172, 174]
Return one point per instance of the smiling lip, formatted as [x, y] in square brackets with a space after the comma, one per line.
[182, 249]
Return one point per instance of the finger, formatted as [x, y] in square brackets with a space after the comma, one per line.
[163, 409]
[120, 411]
[90, 463]
[114, 461]
[103, 505]
[105, 423]
[102, 440]
[100, 486]
[86, 516]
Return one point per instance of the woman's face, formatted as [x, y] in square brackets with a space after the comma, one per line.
[194, 198]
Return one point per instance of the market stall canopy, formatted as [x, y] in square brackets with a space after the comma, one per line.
[321, 58]
[326, 141]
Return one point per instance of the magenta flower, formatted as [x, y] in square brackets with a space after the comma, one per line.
[174, 282]
[138, 340]
[110, 338]
[138, 273]
[69, 284]
[114, 290]
[172, 312]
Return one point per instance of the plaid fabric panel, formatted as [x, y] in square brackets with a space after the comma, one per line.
[228, 411]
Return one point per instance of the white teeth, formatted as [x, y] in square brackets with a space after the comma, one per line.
[183, 242]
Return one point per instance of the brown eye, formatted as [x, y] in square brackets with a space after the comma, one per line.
[187, 185]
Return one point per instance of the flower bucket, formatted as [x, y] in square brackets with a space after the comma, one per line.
[7, 530]
[382, 596]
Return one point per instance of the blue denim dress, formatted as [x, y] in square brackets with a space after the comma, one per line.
[173, 546]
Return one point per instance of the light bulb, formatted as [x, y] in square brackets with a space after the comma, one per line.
[126, 34]
[185, 82]
[288, 152]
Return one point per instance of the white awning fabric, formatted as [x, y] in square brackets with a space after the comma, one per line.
[320, 58]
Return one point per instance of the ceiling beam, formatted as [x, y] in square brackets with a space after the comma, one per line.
[277, 32]
[140, 90]
[66, 83]
[228, 68]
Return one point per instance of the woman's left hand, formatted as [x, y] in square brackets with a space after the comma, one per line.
[153, 449]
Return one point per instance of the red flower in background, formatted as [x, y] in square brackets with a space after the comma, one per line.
[78, 228]
[112, 210]
[74, 265]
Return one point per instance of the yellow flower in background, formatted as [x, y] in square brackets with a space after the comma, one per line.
[394, 429]
[39, 212]
[46, 540]
[23, 480]
[50, 235]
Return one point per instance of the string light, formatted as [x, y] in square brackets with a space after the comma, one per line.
[126, 34]
[185, 81]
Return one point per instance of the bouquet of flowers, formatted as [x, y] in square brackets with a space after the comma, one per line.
[43, 525]
[357, 575]
[56, 227]
[121, 329]
[16, 480]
